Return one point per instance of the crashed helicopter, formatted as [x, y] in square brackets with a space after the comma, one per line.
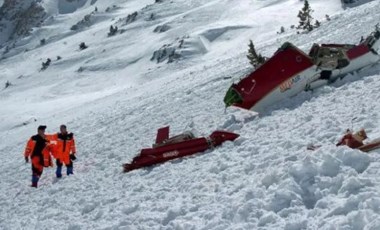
[178, 146]
[290, 71]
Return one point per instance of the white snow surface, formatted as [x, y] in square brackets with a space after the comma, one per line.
[114, 99]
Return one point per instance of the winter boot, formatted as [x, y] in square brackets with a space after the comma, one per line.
[70, 170]
[58, 172]
[35, 181]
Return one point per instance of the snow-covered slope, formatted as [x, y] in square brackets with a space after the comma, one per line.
[113, 97]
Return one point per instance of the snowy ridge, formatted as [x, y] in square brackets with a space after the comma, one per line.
[264, 180]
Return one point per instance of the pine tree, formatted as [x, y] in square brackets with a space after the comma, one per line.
[46, 64]
[83, 46]
[305, 17]
[42, 41]
[377, 31]
[7, 84]
[317, 24]
[282, 30]
[254, 59]
[113, 30]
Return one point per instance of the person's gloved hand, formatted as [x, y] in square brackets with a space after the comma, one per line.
[26, 159]
[73, 157]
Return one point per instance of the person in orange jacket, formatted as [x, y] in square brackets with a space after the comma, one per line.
[64, 150]
[39, 150]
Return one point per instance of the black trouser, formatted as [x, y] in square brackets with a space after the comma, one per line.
[59, 168]
[59, 163]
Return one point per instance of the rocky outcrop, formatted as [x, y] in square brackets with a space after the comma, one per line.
[18, 17]
[354, 3]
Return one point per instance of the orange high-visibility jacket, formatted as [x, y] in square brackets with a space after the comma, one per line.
[64, 146]
[40, 147]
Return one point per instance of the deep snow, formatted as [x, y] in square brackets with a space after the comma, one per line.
[114, 98]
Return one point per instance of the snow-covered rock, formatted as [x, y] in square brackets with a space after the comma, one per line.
[19, 17]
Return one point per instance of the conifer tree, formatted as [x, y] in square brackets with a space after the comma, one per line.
[113, 30]
[282, 30]
[317, 24]
[254, 59]
[7, 84]
[305, 17]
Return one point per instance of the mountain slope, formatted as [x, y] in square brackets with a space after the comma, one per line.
[114, 98]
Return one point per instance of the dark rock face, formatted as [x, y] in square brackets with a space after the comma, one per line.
[354, 3]
[18, 17]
